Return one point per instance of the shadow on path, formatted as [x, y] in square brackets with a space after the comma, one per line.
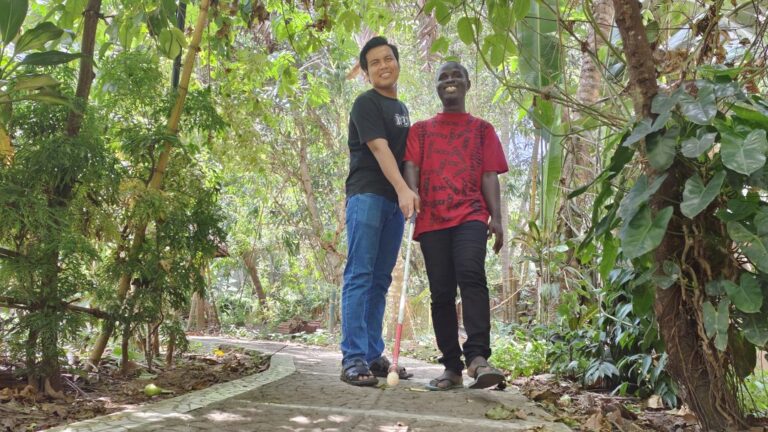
[312, 398]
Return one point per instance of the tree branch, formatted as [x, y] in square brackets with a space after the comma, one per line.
[12, 303]
[7, 253]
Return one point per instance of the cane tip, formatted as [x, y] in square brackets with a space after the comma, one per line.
[393, 379]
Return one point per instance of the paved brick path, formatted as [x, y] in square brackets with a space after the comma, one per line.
[301, 392]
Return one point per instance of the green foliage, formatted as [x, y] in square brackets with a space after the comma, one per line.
[518, 353]
[12, 16]
[755, 388]
[608, 338]
[708, 139]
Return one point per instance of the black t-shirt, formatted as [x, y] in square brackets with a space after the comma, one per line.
[375, 116]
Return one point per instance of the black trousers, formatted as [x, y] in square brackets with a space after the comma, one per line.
[456, 256]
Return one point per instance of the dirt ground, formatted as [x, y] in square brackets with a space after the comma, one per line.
[90, 394]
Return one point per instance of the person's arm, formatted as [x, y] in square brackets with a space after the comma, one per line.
[492, 196]
[407, 198]
[411, 174]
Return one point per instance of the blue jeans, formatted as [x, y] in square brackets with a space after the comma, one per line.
[374, 232]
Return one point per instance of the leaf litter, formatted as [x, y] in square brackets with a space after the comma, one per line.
[96, 393]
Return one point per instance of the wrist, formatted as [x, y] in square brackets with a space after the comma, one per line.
[402, 188]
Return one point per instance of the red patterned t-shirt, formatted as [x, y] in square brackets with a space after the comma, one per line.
[452, 151]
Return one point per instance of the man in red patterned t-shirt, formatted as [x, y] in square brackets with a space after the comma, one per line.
[453, 160]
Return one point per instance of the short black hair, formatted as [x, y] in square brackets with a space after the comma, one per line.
[461, 67]
[374, 42]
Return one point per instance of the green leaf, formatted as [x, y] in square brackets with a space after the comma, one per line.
[693, 147]
[715, 288]
[642, 300]
[442, 13]
[28, 82]
[652, 31]
[439, 45]
[662, 148]
[751, 115]
[49, 97]
[744, 354]
[37, 37]
[638, 196]
[716, 322]
[520, 8]
[644, 233]
[49, 58]
[539, 46]
[670, 275]
[744, 155]
[498, 47]
[747, 296]
[12, 15]
[754, 247]
[171, 41]
[640, 131]
[700, 109]
[696, 197]
[755, 328]
[466, 32]
[608, 257]
[761, 222]
[663, 103]
[719, 70]
[738, 209]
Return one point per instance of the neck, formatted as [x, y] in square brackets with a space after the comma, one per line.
[454, 108]
[388, 92]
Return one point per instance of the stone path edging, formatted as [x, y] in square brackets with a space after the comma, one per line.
[280, 366]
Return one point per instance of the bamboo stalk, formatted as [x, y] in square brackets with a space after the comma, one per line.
[158, 172]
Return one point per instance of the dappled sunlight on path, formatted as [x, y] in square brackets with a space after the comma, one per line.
[305, 394]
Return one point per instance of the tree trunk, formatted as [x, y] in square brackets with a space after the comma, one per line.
[6, 145]
[125, 347]
[588, 93]
[169, 351]
[31, 358]
[693, 362]
[332, 258]
[58, 203]
[197, 311]
[158, 172]
[213, 324]
[85, 79]
[249, 259]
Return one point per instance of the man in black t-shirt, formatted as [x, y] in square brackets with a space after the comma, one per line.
[377, 200]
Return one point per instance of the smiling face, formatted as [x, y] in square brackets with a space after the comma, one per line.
[383, 69]
[452, 86]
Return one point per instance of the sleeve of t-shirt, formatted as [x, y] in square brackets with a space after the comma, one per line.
[368, 119]
[412, 147]
[494, 159]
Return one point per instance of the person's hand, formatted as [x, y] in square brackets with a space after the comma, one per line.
[495, 229]
[409, 202]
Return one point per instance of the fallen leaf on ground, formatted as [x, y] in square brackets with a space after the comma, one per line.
[544, 395]
[594, 423]
[500, 412]
[655, 402]
[686, 414]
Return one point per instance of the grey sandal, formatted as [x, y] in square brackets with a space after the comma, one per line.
[447, 381]
[484, 374]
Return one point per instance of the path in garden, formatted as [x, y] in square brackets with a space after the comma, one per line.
[301, 392]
